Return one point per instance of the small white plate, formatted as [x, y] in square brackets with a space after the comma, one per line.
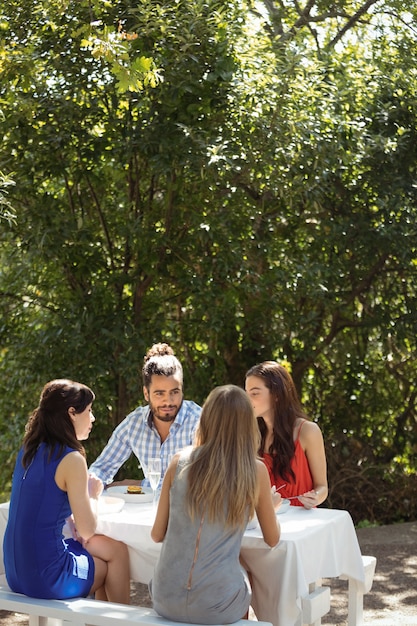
[284, 507]
[107, 504]
[121, 492]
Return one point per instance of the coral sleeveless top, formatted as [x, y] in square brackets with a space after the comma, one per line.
[299, 464]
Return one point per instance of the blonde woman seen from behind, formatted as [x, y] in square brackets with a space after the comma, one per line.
[209, 493]
[292, 446]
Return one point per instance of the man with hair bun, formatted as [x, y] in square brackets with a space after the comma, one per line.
[161, 428]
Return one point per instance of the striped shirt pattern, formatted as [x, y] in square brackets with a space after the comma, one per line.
[137, 435]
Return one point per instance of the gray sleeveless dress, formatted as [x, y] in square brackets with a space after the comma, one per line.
[198, 577]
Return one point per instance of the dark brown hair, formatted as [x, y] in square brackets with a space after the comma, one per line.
[50, 422]
[160, 360]
[287, 408]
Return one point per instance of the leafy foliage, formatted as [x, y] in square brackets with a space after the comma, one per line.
[235, 178]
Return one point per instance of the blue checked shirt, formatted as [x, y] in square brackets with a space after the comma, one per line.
[136, 434]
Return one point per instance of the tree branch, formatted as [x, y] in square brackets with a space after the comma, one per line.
[351, 22]
[102, 220]
[28, 300]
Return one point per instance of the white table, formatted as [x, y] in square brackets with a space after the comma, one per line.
[315, 544]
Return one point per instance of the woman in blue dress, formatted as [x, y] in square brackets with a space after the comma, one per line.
[50, 486]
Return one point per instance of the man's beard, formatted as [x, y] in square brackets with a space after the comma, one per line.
[164, 417]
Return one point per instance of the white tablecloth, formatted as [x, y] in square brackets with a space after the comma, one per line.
[315, 544]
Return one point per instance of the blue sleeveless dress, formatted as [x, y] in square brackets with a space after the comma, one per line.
[38, 561]
[198, 577]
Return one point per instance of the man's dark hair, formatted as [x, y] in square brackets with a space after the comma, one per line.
[160, 360]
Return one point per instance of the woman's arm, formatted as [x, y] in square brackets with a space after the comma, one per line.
[267, 519]
[311, 440]
[160, 526]
[72, 476]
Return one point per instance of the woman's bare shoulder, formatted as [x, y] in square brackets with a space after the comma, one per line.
[74, 460]
[310, 431]
[261, 469]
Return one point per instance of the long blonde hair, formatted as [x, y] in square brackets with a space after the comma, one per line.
[222, 477]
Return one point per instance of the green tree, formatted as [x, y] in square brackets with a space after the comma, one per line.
[6, 211]
[235, 178]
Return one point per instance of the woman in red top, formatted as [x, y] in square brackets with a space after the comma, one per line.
[292, 446]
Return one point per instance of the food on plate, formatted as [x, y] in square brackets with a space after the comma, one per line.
[134, 489]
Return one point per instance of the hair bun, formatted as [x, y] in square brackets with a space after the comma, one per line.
[159, 349]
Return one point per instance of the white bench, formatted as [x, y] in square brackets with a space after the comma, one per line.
[317, 604]
[83, 611]
[357, 590]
